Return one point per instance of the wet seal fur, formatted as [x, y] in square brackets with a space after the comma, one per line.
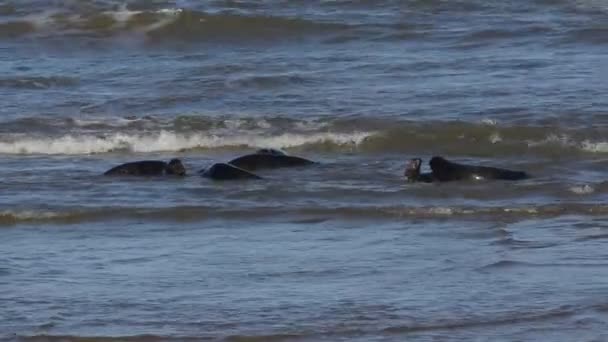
[268, 158]
[148, 168]
[444, 170]
[223, 171]
[412, 172]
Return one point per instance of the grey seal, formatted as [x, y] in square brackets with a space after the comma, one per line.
[149, 168]
[444, 170]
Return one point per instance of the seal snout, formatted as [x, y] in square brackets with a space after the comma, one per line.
[412, 169]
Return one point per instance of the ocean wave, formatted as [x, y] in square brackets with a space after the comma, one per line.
[503, 264]
[582, 189]
[194, 25]
[198, 213]
[374, 327]
[55, 21]
[163, 24]
[16, 28]
[592, 35]
[181, 124]
[132, 338]
[169, 141]
[514, 318]
[65, 135]
[596, 147]
[12, 217]
[488, 36]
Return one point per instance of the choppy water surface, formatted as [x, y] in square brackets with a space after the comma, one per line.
[345, 250]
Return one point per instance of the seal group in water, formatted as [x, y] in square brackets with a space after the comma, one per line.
[149, 168]
[444, 170]
[223, 171]
[268, 158]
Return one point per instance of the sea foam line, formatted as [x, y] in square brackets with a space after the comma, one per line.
[169, 141]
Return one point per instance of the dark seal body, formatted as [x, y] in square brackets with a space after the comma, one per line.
[268, 159]
[412, 172]
[445, 171]
[222, 171]
[148, 168]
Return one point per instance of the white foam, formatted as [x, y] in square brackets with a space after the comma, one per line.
[596, 147]
[42, 20]
[47, 20]
[562, 140]
[169, 141]
[495, 138]
[235, 123]
[123, 15]
[263, 124]
[566, 141]
[441, 211]
[170, 15]
[27, 215]
[170, 11]
[582, 190]
[525, 210]
[310, 125]
[113, 122]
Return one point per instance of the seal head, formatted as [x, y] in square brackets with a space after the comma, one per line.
[175, 167]
[412, 172]
[412, 169]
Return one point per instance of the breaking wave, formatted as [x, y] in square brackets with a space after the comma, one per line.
[161, 24]
[169, 141]
[65, 135]
[12, 217]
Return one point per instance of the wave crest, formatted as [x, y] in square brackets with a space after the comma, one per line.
[66, 135]
[171, 141]
[163, 24]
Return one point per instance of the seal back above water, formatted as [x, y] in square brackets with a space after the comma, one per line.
[444, 171]
[268, 159]
[148, 168]
[223, 171]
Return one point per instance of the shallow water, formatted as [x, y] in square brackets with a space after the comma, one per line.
[343, 250]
